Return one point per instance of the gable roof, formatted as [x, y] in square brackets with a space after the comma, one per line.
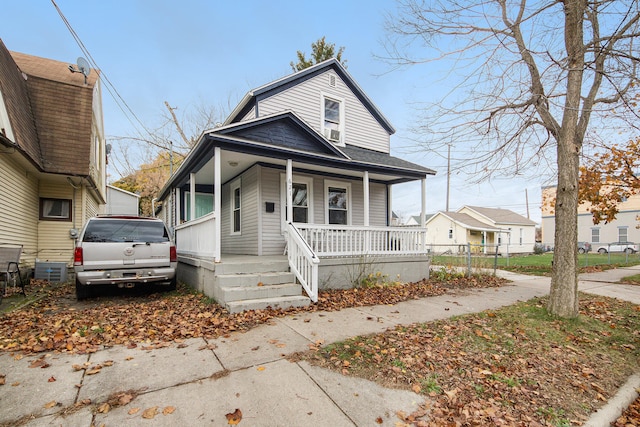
[13, 88]
[61, 108]
[253, 96]
[466, 221]
[284, 129]
[500, 216]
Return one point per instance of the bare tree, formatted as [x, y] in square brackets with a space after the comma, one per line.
[144, 162]
[177, 131]
[530, 76]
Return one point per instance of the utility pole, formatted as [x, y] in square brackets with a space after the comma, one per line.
[526, 196]
[175, 122]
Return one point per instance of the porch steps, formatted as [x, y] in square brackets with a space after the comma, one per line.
[257, 284]
[262, 303]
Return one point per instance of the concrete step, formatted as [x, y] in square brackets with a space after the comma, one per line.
[244, 267]
[262, 303]
[239, 293]
[252, 279]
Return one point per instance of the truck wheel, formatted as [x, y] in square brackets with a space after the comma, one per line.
[82, 291]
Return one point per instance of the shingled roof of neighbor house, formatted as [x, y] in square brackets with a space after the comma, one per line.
[61, 107]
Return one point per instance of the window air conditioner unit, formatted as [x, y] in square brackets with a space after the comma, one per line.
[333, 135]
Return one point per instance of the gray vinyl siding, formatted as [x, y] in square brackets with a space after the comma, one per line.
[261, 232]
[250, 115]
[272, 239]
[247, 242]
[378, 205]
[20, 204]
[305, 99]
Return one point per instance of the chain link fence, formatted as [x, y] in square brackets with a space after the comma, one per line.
[476, 258]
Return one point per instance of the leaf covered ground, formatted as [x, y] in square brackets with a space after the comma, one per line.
[510, 367]
[57, 322]
[514, 366]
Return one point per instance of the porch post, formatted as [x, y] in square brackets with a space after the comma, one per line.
[424, 203]
[289, 217]
[178, 218]
[484, 239]
[217, 201]
[192, 196]
[423, 210]
[365, 186]
[389, 205]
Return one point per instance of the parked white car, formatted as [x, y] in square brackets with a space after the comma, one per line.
[124, 251]
[628, 247]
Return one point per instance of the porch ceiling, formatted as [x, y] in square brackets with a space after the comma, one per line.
[233, 163]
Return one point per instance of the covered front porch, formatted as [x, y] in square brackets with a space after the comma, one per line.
[328, 211]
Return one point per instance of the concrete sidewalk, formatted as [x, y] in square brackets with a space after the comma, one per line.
[198, 381]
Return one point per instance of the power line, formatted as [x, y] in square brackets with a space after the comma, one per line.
[120, 102]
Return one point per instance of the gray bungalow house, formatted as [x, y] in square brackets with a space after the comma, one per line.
[293, 190]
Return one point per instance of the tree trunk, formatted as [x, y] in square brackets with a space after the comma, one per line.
[563, 298]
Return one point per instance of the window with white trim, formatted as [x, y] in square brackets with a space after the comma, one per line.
[302, 197]
[595, 235]
[333, 119]
[521, 235]
[623, 234]
[338, 202]
[236, 207]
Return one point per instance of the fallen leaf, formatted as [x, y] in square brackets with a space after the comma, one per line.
[379, 420]
[2, 379]
[133, 411]
[16, 384]
[416, 388]
[234, 418]
[168, 410]
[104, 408]
[125, 399]
[150, 413]
[51, 379]
[50, 405]
[260, 368]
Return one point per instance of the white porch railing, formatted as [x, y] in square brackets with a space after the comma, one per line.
[332, 240]
[302, 261]
[197, 237]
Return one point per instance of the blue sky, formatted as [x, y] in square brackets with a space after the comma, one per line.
[192, 52]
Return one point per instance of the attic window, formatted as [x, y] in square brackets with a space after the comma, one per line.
[333, 119]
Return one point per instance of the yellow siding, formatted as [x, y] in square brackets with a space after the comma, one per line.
[18, 207]
[54, 243]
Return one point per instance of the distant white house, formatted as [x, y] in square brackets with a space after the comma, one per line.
[485, 229]
[121, 202]
[623, 229]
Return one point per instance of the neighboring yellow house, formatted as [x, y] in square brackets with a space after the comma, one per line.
[484, 229]
[622, 229]
[52, 155]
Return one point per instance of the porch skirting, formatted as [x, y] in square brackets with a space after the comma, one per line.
[342, 273]
[333, 273]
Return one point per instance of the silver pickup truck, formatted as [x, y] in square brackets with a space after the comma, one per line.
[123, 251]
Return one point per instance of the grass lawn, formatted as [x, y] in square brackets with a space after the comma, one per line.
[514, 366]
[539, 264]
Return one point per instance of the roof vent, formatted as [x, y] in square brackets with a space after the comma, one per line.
[332, 80]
